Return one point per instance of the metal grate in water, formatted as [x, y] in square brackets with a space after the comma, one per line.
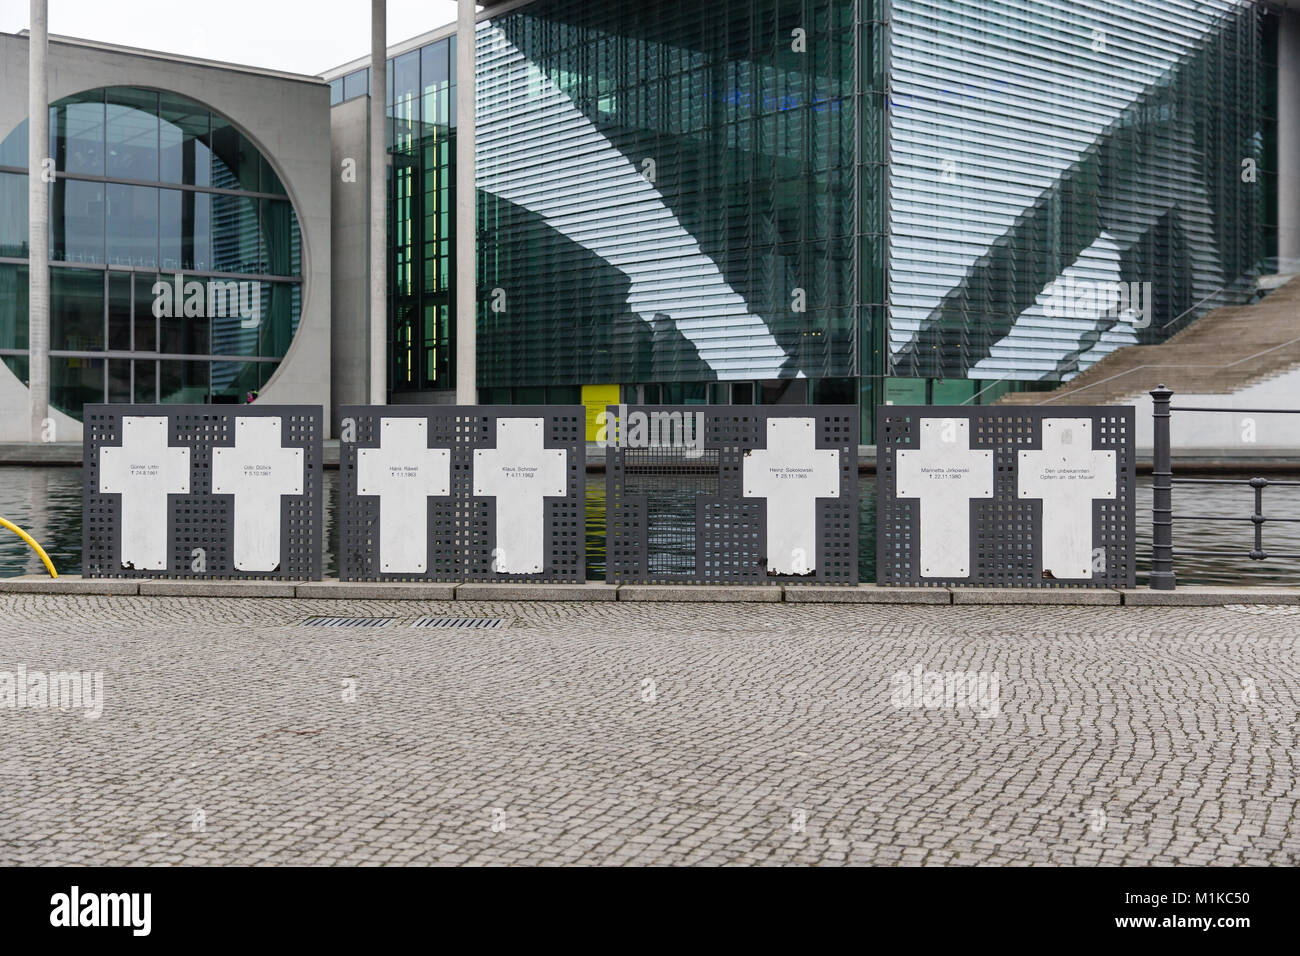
[479, 623]
[326, 621]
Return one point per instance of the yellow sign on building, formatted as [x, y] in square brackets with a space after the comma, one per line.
[595, 398]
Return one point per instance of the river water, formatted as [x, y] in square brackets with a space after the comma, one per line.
[46, 502]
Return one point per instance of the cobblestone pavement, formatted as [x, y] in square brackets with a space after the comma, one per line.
[644, 733]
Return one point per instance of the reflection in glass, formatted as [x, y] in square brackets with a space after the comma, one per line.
[13, 215]
[132, 225]
[77, 134]
[75, 382]
[229, 334]
[356, 84]
[404, 103]
[276, 330]
[184, 332]
[235, 162]
[232, 381]
[184, 224]
[132, 138]
[76, 221]
[13, 306]
[119, 380]
[13, 148]
[119, 312]
[185, 132]
[182, 383]
[281, 238]
[77, 309]
[146, 325]
[146, 381]
[236, 245]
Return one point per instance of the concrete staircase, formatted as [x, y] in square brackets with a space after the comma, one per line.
[1220, 353]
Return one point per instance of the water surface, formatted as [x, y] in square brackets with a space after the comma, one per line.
[46, 502]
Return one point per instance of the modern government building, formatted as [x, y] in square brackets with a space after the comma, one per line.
[744, 201]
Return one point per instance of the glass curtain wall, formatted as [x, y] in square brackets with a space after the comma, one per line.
[668, 195]
[421, 218]
[1043, 155]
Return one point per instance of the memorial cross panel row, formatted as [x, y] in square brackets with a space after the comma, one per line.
[731, 495]
[202, 491]
[1005, 497]
[462, 493]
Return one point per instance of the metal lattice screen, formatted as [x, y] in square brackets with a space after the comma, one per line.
[677, 512]
[455, 535]
[1006, 529]
[198, 526]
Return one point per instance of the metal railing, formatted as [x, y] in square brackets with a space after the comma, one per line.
[1162, 486]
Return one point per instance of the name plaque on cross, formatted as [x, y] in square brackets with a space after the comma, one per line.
[404, 473]
[258, 471]
[142, 470]
[790, 474]
[520, 473]
[1068, 475]
[945, 474]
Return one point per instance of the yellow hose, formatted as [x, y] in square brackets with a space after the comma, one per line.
[49, 565]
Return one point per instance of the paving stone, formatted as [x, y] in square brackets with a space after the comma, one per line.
[591, 591]
[864, 594]
[1088, 596]
[699, 593]
[159, 587]
[1208, 596]
[377, 591]
[668, 733]
[67, 584]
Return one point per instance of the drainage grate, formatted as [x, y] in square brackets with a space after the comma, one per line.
[480, 623]
[1268, 610]
[325, 621]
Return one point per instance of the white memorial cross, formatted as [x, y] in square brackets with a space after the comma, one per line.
[144, 471]
[404, 472]
[258, 471]
[1068, 474]
[945, 473]
[791, 473]
[521, 473]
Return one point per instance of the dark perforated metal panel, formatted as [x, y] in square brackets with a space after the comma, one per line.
[678, 515]
[461, 527]
[201, 521]
[1006, 530]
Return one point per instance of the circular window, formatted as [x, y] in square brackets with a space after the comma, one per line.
[175, 254]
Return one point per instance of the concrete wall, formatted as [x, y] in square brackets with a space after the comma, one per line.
[284, 115]
[1241, 434]
[349, 276]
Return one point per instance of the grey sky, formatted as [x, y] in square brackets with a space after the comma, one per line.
[300, 36]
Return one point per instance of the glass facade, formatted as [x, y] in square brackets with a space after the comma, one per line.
[1040, 152]
[176, 256]
[871, 201]
[421, 217]
[668, 196]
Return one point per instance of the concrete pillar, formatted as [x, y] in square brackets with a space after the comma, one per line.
[378, 168]
[466, 214]
[1288, 142]
[38, 225]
